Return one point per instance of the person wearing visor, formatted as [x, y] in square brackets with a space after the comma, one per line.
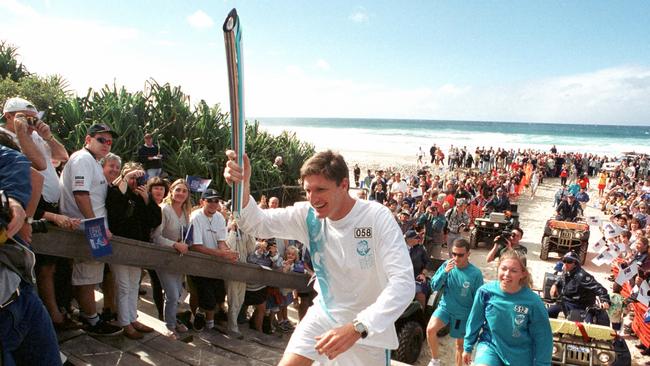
[576, 289]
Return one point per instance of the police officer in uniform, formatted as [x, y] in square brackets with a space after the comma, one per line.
[576, 289]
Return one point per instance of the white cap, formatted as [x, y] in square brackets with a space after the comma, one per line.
[18, 104]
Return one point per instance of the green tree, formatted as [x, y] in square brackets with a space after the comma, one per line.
[10, 68]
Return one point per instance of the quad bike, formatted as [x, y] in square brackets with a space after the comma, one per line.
[562, 237]
[576, 342]
[411, 326]
[492, 225]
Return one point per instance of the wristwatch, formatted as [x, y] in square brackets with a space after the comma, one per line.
[360, 328]
[29, 220]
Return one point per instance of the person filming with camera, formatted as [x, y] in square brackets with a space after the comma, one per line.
[507, 241]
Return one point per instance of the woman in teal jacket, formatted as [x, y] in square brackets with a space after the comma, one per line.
[509, 320]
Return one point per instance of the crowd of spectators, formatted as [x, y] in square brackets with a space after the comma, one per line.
[41, 182]
[433, 206]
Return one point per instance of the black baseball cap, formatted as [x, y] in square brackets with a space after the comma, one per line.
[99, 128]
[210, 193]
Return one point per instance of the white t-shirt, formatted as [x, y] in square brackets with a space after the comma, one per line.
[362, 262]
[208, 231]
[82, 173]
[51, 190]
[399, 186]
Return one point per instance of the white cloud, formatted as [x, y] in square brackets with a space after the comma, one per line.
[16, 8]
[89, 54]
[359, 16]
[615, 95]
[200, 20]
[322, 65]
[164, 42]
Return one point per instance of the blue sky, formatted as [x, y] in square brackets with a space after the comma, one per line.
[539, 61]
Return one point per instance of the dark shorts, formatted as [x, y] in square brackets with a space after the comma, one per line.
[210, 291]
[255, 297]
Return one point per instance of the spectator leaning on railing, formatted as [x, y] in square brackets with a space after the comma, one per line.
[83, 196]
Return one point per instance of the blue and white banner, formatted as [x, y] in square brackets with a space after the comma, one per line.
[95, 230]
[187, 234]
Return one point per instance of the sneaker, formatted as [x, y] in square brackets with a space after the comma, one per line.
[172, 334]
[103, 328]
[286, 326]
[199, 321]
[434, 362]
[107, 315]
[235, 334]
[181, 328]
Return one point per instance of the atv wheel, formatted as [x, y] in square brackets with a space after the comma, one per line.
[410, 336]
[543, 252]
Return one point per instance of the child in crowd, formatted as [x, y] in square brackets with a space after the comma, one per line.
[256, 293]
[616, 307]
[290, 263]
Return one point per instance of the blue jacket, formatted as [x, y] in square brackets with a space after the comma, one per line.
[15, 175]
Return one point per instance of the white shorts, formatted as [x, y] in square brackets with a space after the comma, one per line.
[87, 272]
[303, 342]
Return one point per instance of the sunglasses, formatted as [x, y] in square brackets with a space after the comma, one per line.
[212, 200]
[104, 141]
[568, 262]
[459, 255]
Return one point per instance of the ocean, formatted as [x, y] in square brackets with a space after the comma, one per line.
[380, 139]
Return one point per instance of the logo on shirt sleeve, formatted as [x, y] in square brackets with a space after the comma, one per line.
[79, 181]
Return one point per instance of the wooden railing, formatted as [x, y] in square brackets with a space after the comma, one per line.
[73, 244]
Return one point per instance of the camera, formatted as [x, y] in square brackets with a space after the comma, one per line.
[142, 180]
[32, 121]
[39, 226]
[503, 238]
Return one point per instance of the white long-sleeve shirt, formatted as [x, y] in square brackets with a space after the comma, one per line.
[361, 261]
